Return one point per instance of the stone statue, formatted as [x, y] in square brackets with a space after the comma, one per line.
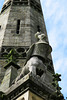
[36, 56]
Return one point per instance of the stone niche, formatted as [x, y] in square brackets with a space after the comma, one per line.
[29, 96]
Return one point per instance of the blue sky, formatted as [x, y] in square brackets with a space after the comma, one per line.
[55, 15]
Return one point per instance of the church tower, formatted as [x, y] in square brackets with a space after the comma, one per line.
[20, 20]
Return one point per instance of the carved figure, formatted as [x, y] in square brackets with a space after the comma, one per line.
[36, 56]
[32, 66]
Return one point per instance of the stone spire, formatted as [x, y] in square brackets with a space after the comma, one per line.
[20, 20]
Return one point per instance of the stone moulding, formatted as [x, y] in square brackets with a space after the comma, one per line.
[33, 4]
[20, 50]
[28, 82]
[5, 6]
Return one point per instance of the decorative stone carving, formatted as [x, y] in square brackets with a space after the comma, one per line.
[35, 66]
[36, 56]
[40, 49]
[20, 50]
[40, 36]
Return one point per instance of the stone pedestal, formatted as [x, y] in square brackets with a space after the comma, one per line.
[30, 87]
[9, 77]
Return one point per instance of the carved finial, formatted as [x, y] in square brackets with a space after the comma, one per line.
[40, 36]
